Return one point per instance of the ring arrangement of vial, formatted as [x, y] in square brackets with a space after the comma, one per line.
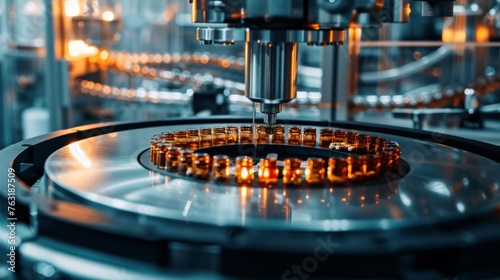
[363, 157]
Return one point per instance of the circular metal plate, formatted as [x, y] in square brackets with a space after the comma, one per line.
[444, 184]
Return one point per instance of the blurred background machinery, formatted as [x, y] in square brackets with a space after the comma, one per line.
[329, 65]
[72, 62]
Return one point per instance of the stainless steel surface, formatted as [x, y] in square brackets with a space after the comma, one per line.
[437, 8]
[271, 76]
[228, 36]
[443, 184]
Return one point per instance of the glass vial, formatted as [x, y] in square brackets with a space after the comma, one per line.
[339, 137]
[309, 137]
[168, 137]
[279, 134]
[396, 157]
[352, 138]
[161, 155]
[337, 171]
[192, 139]
[294, 135]
[152, 147]
[243, 170]
[262, 136]
[268, 171]
[201, 166]
[373, 166]
[325, 137]
[246, 134]
[219, 137]
[292, 171]
[173, 157]
[232, 134]
[363, 144]
[220, 168]
[186, 163]
[180, 139]
[315, 171]
[205, 137]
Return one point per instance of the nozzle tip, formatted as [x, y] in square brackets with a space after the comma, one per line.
[269, 129]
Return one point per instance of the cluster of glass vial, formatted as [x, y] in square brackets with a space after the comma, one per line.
[366, 157]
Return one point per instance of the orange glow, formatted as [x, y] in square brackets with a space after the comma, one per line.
[77, 152]
[225, 63]
[268, 171]
[143, 58]
[106, 89]
[482, 33]
[157, 58]
[104, 55]
[244, 173]
[204, 59]
[167, 58]
[108, 16]
[244, 170]
[136, 68]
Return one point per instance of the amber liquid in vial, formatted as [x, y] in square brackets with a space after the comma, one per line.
[246, 134]
[205, 137]
[219, 135]
[161, 158]
[192, 139]
[339, 136]
[396, 156]
[152, 147]
[186, 163]
[355, 167]
[373, 165]
[243, 170]
[201, 166]
[220, 168]
[292, 172]
[337, 170]
[315, 171]
[173, 158]
[295, 135]
[279, 134]
[309, 137]
[352, 138]
[363, 144]
[375, 144]
[180, 139]
[262, 136]
[232, 135]
[325, 137]
[156, 151]
[168, 137]
[268, 171]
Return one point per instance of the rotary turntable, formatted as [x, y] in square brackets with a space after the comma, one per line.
[102, 204]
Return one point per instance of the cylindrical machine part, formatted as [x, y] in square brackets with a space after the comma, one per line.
[437, 8]
[271, 75]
